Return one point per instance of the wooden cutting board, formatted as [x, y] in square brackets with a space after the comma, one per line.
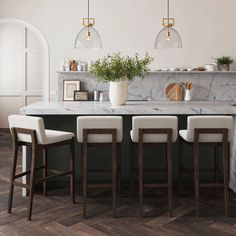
[174, 92]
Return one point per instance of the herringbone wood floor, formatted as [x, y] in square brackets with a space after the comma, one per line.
[56, 215]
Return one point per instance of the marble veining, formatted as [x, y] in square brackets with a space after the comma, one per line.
[206, 86]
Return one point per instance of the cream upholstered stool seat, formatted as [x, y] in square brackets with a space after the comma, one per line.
[152, 131]
[100, 131]
[30, 131]
[204, 131]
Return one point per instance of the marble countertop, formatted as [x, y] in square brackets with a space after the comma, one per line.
[131, 108]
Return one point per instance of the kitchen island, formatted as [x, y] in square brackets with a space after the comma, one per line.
[62, 116]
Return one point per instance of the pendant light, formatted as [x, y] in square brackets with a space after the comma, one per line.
[88, 37]
[168, 37]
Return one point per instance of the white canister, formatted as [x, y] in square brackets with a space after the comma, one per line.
[101, 97]
[79, 67]
[83, 66]
[210, 67]
[187, 95]
[95, 95]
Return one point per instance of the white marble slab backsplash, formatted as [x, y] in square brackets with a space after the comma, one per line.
[219, 86]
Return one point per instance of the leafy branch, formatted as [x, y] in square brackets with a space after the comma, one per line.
[115, 67]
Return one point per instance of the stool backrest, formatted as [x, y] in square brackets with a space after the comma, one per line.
[154, 122]
[99, 122]
[28, 122]
[209, 122]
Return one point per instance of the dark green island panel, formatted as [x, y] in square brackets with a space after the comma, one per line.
[101, 158]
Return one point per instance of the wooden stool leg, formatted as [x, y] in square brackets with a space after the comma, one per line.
[140, 157]
[45, 164]
[72, 168]
[85, 167]
[31, 184]
[196, 176]
[215, 165]
[180, 170]
[169, 163]
[81, 170]
[12, 177]
[226, 177]
[114, 177]
[131, 176]
[119, 169]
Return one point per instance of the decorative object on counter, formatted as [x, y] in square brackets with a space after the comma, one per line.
[182, 69]
[168, 37]
[101, 97]
[224, 63]
[73, 65]
[96, 95]
[118, 70]
[79, 67]
[69, 86]
[188, 87]
[88, 37]
[174, 92]
[90, 63]
[210, 67]
[81, 95]
[84, 66]
[66, 66]
[173, 69]
[189, 69]
[200, 68]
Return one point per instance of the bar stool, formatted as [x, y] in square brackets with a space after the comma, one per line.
[213, 131]
[29, 131]
[100, 131]
[152, 131]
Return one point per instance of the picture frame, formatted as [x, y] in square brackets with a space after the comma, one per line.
[81, 95]
[69, 86]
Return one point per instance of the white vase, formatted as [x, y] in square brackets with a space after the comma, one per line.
[118, 93]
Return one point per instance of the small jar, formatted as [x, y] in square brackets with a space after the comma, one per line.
[96, 95]
[101, 97]
[83, 66]
[187, 95]
[79, 67]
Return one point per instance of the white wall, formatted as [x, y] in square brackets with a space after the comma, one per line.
[207, 28]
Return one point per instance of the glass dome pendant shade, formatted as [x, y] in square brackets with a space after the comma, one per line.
[168, 37]
[88, 37]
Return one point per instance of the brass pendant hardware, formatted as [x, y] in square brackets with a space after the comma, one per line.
[88, 22]
[168, 22]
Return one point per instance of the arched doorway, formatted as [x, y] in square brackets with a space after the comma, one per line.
[24, 66]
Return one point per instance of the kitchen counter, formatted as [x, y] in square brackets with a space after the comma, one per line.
[131, 108]
[62, 116]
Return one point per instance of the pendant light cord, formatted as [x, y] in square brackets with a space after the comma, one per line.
[88, 9]
[168, 12]
[168, 9]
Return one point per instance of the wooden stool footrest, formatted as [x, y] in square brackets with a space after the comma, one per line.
[101, 186]
[213, 185]
[161, 185]
[53, 176]
[21, 184]
[28, 172]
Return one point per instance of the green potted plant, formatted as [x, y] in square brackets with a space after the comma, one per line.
[118, 70]
[224, 63]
